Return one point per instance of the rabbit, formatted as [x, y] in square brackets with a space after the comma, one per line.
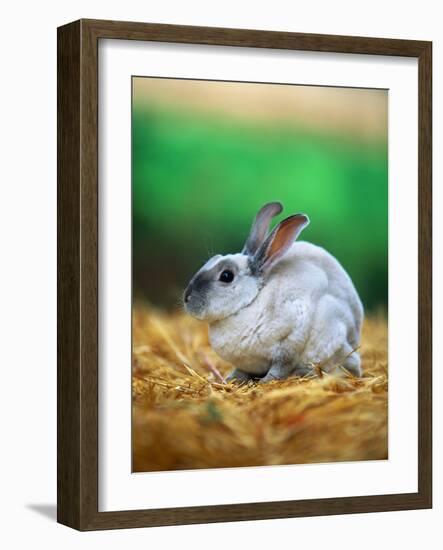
[280, 307]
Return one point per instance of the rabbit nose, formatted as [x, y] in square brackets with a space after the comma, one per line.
[188, 293]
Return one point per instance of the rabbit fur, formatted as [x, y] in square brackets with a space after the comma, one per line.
[279, 307]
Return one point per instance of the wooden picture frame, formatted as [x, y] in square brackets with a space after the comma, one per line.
[78, 274]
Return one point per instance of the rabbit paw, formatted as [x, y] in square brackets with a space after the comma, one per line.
[353, 365]
[238, 376]
[278, 371]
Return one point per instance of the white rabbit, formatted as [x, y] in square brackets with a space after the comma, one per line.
[279, 307]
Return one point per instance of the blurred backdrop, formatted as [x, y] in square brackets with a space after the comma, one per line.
[207, 155]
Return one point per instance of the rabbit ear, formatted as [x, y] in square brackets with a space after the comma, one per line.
[279, 242]
[260, 227]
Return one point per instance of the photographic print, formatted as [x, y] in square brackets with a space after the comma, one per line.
[225, 201]
[259, 274]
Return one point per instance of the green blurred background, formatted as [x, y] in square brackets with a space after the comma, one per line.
[207, 155]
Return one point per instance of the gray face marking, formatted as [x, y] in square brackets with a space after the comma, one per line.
[198, 291]
[209, 273]
[210, 297]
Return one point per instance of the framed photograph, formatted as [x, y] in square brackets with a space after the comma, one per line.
[244, 274]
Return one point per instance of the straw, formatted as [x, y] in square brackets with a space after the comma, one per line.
[186, 416]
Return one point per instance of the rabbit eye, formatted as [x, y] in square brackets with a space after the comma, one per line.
[226, 276]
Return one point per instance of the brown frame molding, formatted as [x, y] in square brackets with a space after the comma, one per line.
[77, 353]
